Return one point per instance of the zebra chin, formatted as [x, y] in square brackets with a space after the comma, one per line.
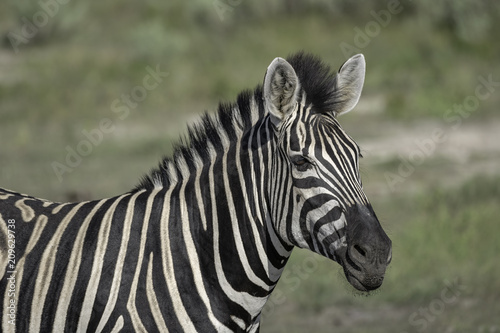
[364, 282]
[363, 278]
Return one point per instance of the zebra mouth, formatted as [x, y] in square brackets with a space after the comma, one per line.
[363, 285]
[360, 279]
[355, 282]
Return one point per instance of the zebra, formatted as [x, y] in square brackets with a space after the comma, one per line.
[200, 243]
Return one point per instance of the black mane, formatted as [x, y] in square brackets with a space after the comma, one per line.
[316, 80]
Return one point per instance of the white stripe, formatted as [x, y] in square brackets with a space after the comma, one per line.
[168, 267]
[342, 242]
[251, 303]
[118, 325]
[266, 264]
[152, 300]
[197, 189]
[193, 257]
[238, 321]
[98, 261]
[72, 270]
[26, 211]
[117, 275]
[131, 307]
[236, 230]
[331, 164]
[40, 224]
[45, 273]
[58, 208]
[5, 196]
[255, 192]
[347, 169]
[254, 111]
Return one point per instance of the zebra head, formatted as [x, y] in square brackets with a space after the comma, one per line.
[316, 167]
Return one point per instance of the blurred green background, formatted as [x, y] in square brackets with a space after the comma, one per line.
[427, 122]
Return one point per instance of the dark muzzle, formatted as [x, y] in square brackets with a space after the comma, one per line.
[369, 249]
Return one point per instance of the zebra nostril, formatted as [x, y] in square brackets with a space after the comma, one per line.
[360, 250]
[360, 253]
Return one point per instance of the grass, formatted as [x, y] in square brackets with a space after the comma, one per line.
[453, 235]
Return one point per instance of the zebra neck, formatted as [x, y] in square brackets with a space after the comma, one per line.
[216, 217]
[226, 203]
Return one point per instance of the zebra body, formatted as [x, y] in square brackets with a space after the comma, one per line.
[77, 282]
[200, 244]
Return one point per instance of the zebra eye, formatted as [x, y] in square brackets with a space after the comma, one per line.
[301, 163]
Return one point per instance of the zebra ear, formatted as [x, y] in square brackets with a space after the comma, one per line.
[281, 85]
[350, 79]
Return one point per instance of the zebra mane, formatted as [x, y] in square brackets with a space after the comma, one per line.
[317, 80]
[204, 137]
